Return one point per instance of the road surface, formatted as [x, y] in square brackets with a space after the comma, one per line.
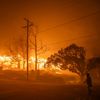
[23, 90]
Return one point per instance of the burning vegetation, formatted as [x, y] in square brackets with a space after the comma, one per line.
[9, 63]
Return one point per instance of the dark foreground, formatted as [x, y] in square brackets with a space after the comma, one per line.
[21, 90]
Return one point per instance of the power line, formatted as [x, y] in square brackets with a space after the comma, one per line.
[71, 21]
[77, 38]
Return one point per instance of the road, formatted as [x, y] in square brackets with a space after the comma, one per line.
[23, 90]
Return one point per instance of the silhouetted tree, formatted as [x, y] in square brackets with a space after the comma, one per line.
[92, 63]
[93, 66]
[71, 57]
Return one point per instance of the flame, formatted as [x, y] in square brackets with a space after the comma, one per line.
[40, 62]
[7, 63]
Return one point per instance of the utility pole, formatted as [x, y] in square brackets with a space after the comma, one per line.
[36, 59]
[28, 25]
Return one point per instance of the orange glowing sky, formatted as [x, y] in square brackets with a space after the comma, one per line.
[49, 13]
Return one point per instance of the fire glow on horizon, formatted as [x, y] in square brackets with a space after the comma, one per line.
[9, 63]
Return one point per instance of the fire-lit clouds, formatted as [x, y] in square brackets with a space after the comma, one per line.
[50, 13]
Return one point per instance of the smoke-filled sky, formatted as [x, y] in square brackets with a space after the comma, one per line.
[60, 22]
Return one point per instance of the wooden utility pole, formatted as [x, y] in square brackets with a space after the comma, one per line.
[36, 60]
[29, 24]
[35, 44]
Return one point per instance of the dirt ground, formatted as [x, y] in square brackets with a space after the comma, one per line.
[27, 90]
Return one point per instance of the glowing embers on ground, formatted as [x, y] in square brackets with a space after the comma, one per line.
[19, 63]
